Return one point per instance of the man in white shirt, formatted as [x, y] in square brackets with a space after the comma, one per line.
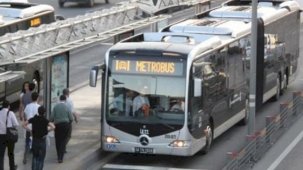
[11, 122]
[178, 106]
[70, 104]
[29, 112]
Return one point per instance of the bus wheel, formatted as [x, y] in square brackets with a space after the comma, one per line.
[284, 84]
[90, 3]
[61, 3]
[245, 119]
[278, 91]
[209, 139]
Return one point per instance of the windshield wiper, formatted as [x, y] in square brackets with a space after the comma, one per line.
[166, 125]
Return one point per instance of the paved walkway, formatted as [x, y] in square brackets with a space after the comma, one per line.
[85, 137]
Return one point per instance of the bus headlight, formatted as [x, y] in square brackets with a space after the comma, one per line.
[178, 144]
[111, 139]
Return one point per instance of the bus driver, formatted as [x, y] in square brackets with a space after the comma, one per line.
[141, 103]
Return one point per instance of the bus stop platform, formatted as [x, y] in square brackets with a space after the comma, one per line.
[85, 141]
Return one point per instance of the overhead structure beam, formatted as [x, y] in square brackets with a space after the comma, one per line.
[40, 54]
[154, 6]
[15, 46]
[26, 46]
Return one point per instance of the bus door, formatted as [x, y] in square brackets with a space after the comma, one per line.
[214, 96]
[198, 117]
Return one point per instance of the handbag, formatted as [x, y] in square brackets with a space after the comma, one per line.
[11, 132]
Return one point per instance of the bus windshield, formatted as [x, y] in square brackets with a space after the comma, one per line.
[145, 91]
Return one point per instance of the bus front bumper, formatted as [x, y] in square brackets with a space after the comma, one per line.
[157, 148]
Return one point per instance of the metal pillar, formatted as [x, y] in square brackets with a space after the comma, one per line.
[47, 87]
[252, 82]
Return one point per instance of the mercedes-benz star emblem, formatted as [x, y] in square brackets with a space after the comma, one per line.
[144, 141]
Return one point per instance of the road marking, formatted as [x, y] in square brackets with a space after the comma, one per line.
[134, 167]
[275, 164]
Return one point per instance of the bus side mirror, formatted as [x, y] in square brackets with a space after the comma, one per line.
[197, 87]
[93, 75]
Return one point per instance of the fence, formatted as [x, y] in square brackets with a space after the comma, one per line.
[258, 143]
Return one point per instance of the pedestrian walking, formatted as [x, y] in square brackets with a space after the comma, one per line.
[25, 97]
[25, 89]
[40, 128]
[70, 106]
[62, 118]
[7, 119]
[30, 111]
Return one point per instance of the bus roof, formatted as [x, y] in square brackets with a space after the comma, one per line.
[268, 11]
[15, 11]
[221, 26]
[15, 1]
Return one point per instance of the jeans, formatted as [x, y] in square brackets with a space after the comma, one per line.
[69, 134]
[39, 151]
[27, 145]
[61, 135]
[2, 150]
[10, 152]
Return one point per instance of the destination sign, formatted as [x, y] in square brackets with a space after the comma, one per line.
[148, 67]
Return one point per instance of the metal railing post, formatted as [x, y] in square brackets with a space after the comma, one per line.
[252, 140]
[268, 122]
[233, 159]
[295, 102]
[283, 113]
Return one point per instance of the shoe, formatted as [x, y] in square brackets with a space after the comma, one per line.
[60, 161]
[15, 167]
[24, 161]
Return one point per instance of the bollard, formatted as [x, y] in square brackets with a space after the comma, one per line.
[283, 113]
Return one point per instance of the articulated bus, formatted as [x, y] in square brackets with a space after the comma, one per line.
[21, 16]
[174, 91]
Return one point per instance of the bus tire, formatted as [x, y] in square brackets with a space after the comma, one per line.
[278, 91]
[284, 84]
[61, 3]
[90, 3]
[244, 121]
[209, 139]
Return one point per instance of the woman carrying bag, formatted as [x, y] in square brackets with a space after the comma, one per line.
[7, 120]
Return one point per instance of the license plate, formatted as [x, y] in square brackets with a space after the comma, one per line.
[144, 150]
